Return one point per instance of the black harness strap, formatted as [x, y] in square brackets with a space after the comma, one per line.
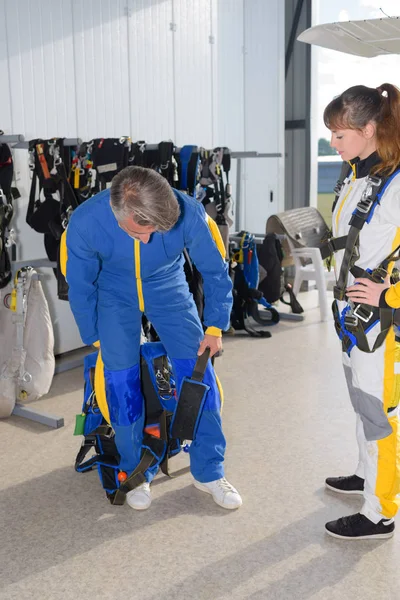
[364, 315]
[357, 222]
[191, 400]
[356, 324]
[165, 156]
[137, 478]
[137, 154]
[201, 365]
[333, 245]
[344, 172]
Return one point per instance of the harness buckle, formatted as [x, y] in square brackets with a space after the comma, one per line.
[379, 273]
[350, 321]
[374, 181]
[362, 313]
[338, 187]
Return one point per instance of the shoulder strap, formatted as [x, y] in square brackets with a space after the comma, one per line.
[361, 215]
[344, 172]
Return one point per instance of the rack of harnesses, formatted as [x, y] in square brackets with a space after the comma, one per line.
[355, 321]
[65, 175]
[6, 213]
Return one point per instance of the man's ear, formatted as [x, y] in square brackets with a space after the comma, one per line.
[369, 131]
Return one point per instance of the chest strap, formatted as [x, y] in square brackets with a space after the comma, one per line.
[360, 216]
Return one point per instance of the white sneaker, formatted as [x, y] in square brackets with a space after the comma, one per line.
[140, 497]
[223, 493]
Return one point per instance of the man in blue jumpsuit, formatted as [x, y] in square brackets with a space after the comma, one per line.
[124, 258]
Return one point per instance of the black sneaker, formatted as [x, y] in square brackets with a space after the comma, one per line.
[358, 527]
[353, 484]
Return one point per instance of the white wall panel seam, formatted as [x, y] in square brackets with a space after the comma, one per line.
[212, 87]
[174, 100]
[128, 13]
[74, 67]
[8, 69]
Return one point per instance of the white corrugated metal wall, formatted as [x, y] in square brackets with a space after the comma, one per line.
[206, 72]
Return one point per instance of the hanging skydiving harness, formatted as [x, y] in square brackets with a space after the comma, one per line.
[212, 190]
[6, 213]
[159, 444]
[246, 296]
[137, 156]
[109, 156]
[50, 207]
[354, 322]
[188, 162]
[214, 163]
[83, 174]
[166, 164]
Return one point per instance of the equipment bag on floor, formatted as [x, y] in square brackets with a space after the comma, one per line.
[158, 388]
[272, 284]
[26, 342]
[246, 296]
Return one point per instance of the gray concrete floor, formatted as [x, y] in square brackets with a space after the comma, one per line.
[288, 425]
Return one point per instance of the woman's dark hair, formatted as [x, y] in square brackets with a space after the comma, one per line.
[146, 197]
[360, 105]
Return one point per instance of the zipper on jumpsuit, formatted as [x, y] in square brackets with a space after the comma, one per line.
[139, 284]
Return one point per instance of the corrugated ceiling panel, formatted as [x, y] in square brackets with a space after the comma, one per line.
[41, 68]
[193, 72]
[229, 91]
[151, 70]
[101, 67]
[5, 103]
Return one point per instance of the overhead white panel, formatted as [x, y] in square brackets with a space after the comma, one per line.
[368, 38]
[151, 70]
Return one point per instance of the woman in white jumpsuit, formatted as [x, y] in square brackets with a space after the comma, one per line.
[365, 129]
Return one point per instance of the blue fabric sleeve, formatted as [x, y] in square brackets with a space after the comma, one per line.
[214, 269]
[83, 268]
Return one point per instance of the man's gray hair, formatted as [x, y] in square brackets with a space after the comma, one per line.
[146, 197]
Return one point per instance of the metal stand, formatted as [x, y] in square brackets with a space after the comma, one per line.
[10, 139]
[20, 410]
[67, 142]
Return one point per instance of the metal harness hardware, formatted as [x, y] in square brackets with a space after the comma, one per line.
[368, 197]
[355, 320]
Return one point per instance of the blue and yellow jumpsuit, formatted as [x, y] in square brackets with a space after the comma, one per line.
[114, 279]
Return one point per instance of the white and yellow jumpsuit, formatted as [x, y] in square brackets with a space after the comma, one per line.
[373, 379]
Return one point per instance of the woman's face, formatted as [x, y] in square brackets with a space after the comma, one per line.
[350, 143]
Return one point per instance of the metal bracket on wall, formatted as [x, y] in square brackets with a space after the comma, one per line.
[67, 142]
[10, 139]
